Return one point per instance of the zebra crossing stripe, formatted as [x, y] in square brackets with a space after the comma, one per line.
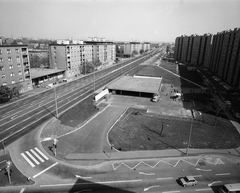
[30, 155]
[26, 158]
[42, 154]
[36, 155]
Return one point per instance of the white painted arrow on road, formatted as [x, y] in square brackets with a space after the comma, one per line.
[206, 170]
[78, 176]
[146, 189]
[213, 183]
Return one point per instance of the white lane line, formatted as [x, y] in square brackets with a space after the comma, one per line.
[171, 191]
[30, 155]
[45, 170]
[223, 174]
[89, 183]
[26, 158]
[197, 176]
[78, 176]
[86, 190]
[36, 155]
[148, 174]
[146, 189]
[198, 190]
[169, 178]
[42, 154]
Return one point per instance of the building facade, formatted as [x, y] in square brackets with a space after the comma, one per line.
[220, 53]
[72, 56]
[15, 67]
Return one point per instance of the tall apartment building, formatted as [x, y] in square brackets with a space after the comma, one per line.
[15, 66]
[71, 56]
[220, 53]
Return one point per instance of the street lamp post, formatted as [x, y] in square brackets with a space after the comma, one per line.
[94, 79]
[55, 94]
[189, 137]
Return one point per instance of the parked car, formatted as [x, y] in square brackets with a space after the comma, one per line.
[155, 98]
[187, 181]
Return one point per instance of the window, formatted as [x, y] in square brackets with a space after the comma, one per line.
[20, 79]
[9, 59]
[3, 76]
[18, 59]
[12, 74]
[0, 51]
[19, 72]
[10, 66]
[17, 50]
[18, 65]
[1, 59]
[13, 81]
[8, 51]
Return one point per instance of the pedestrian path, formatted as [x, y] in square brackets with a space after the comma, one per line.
[34, 157]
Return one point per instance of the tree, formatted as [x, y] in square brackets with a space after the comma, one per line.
[134, 52]
[5, 94]
[141, 51]
[35, 61]
[87, 67]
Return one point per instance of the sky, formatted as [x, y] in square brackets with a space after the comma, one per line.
[117, 20]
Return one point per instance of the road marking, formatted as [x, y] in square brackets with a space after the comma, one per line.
[22, 190]
[207, 170]
[171, 191]
[26, 158]
[197, 176]
[42, 154]
[197, 190]
[36, 155]
[45, 170]
[78, 176]
[89, 183]
[30, 155]
[149, 174]
[169, 178]
[223, 174]
[146, 189]
[213, 183]
[86, 190]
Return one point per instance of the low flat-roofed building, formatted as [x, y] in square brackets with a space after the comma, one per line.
[142, 86]
[40, 75]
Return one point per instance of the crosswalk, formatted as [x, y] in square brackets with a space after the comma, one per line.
[34, 157]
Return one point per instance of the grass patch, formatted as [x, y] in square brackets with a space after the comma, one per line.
[72, 119]
[17, 178]
[138, 130]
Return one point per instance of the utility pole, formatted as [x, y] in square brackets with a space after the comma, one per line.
[55, 94]
[8, 170]
[189, 137]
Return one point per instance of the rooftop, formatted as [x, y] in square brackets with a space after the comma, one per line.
[39, 72]
[137, 83]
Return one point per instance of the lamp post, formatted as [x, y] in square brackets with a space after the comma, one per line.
[94, 79]
[55, 94]
[111, 150]
[189, 137]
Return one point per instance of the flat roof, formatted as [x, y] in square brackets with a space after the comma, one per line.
[38, 72]
[137, 84]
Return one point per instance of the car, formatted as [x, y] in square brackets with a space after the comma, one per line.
[155, 98]
[188, 181]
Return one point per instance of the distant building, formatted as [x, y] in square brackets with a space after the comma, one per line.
[72, 55]
[220, 53]
[126, 49]
[15, 66]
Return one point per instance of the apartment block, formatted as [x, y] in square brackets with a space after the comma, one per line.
[220, 53]
[70, 57]
[15, 66]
